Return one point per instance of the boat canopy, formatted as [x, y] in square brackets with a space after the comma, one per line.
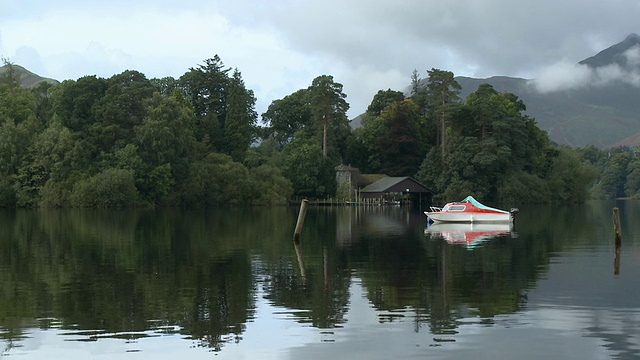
[476, 203]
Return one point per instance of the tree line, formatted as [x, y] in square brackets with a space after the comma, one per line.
[197, 141]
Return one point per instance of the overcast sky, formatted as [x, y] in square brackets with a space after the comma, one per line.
[281, 46]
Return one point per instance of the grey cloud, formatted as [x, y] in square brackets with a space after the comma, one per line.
[496, 37]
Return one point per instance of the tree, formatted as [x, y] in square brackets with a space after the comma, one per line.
[216, 180]
[241, 118]
[415, 82]
[329, 107]
[166, 142]
[206, 88]
[269, 186]
[496, 153]
[223, 106]
[401, 146]
[613, 178]
[18, 126]
[166, 86]
[73, 101]
[287, 116]
[382, 99]
[9, 76]
[310, 173]
[107, 189]
[50, 167]
[120, 110]
[568, 178]
[442, 91]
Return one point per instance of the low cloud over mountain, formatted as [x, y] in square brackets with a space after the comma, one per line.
[619, 63]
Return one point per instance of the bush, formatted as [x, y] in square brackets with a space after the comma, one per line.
[270, 187]
[7, 193]
[110, 188]
[523, 188]
[55, 194]
[216, 180]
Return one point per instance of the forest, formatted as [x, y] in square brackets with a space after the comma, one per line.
[198, 141]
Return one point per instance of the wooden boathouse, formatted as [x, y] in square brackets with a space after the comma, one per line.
[396, 190]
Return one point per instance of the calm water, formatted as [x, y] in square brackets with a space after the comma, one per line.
[366, 283]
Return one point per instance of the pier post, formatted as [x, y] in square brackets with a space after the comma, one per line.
[301, 214]
[618, 240]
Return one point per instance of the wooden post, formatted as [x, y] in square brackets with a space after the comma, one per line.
[616, 227]
[618, 240]
[301, 214]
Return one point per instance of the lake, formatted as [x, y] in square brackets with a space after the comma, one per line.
[365, 283]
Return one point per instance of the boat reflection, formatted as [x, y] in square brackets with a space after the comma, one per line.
[470, 234]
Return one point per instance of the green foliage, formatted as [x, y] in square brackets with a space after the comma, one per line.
[189, 142]
[224, 108]
[499, 155]
[401, 148]
[269, 186]
[442, 102]
[382, 99]
[329, 108]
[73, 101]
[7, 192]
[56, 194]
[632, 186]
[108, 189]
[310, 173]
[241, 118]
[216, 180]
[288, 115]
[568, 178]
[120, 110]
[613, 178]
[521, 187]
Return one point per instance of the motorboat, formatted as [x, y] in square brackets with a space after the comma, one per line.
[470, 234]
[469, 210]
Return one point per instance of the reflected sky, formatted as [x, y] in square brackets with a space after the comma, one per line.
[545, 330]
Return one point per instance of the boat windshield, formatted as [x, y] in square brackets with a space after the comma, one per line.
[455, 208]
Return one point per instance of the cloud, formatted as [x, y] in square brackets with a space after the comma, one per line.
[632, 55]
[29, 58]
[564, 76]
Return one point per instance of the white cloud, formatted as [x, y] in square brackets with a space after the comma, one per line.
[562, 76]
[633, 55]
[566, 76]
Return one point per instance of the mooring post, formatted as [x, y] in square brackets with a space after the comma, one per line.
[618, 240]
[301, 214]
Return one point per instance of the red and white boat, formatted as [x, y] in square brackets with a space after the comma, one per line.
[470, 210]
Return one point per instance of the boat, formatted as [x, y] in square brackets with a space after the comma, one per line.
[470, 234]
[469, 210]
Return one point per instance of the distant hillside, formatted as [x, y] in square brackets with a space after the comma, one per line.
[27, 78]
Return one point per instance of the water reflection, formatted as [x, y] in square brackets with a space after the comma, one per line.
[221, 280]
[470, 234]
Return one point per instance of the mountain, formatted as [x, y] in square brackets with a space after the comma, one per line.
[613, 54]
[27, 78]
